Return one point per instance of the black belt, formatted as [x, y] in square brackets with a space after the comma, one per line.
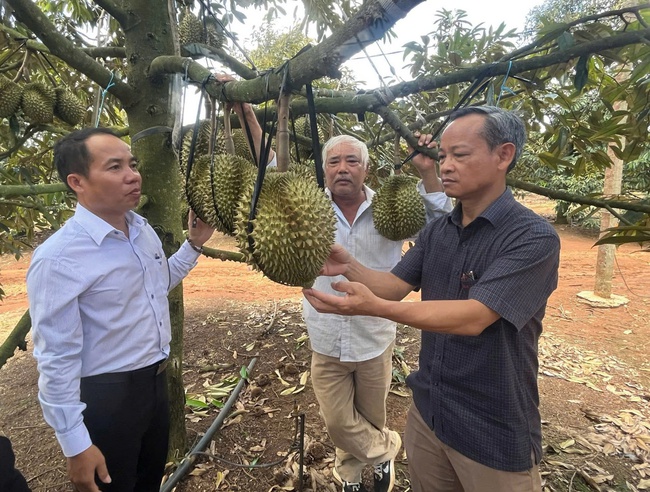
[150, 372]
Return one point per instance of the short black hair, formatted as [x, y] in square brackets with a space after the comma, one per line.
[501, 126]
[71, 153]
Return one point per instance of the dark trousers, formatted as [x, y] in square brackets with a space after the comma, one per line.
[127, 416]
[11, 480]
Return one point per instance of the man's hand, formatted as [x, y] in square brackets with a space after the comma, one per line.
[338, 262]
[426, 166]
[82, 468]
[199, 232]
[358, 300]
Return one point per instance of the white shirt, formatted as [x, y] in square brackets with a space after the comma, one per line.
[359, 338]
[98, 303]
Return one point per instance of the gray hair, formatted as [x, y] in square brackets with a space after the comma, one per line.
[500, 127]
[346, 139]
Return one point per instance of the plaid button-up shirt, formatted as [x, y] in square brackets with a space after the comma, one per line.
[480, 393]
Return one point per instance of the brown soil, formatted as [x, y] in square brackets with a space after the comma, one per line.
[594, 381]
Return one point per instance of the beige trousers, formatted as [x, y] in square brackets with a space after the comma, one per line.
[352, 399]
[435, 467]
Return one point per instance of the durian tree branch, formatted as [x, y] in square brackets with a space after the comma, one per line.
[551, 36]
[31, 190]
[220, 254]
[369, 101]
[29, 14]
[392, 120]
[106, 52]
[123, 17]
[219, 54]
[94, 52]
[16, 339]
[583, 200]
[368, 25]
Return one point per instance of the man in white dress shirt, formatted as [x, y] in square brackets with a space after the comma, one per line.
[101, 327]
[352, 355]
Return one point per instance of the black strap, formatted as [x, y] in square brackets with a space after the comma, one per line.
[150, 131]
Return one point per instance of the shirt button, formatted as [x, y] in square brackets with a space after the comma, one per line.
[160, 323]
[152, 296]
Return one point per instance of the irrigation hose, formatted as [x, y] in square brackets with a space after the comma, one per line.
[189, 459]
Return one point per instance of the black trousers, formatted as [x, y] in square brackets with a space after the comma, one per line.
[11, 480]
[127, 416]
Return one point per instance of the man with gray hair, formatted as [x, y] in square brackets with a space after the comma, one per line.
[352, 356]
[486, 271]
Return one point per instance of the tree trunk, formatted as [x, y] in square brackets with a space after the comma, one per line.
[153, 107]
[606, 252]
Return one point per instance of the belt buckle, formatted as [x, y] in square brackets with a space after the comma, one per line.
[162, 366]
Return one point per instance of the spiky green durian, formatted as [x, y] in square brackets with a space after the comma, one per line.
[10, 96]
[202, 144]
[233, 179]
[398, 208]
[215, 36]
[68, 107]
[190, 29]
[215, 189]
[38, 102]
[293, 230]
[240, 140]
[303, 129]
[199, 192]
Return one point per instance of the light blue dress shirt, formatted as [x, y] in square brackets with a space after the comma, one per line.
[98, 303]
[360, 338]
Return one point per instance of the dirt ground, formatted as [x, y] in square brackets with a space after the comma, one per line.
[594, 381]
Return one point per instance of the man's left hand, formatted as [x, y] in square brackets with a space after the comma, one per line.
[199, 231]
[358, 299]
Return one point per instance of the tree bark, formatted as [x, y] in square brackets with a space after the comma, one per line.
[16, 339]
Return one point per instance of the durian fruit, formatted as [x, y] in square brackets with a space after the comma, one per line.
[398, 208]
[190, 29]
[202, 145]
[215, 36]
[11, 95]
[68, 107]
[199, 192]
[233, 179]
[293, 230]
[215, 192]
[241, 144]
[38, 102]
[303, 128]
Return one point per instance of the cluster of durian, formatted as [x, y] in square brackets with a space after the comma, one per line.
[398, 208]
[190, 30]
[294, 226]
[39, 102]
[215, 187]
[293, 230]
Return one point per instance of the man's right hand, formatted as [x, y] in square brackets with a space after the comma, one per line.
[338, 261]
[82, 468]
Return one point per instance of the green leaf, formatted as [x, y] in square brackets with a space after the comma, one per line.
[565, 41]
[582, 73]
[243, 372]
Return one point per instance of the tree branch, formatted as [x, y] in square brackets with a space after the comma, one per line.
[637, 206]
[16, 339]
[116, 12]
[106, 52]
[29, 14]
[31, 190]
